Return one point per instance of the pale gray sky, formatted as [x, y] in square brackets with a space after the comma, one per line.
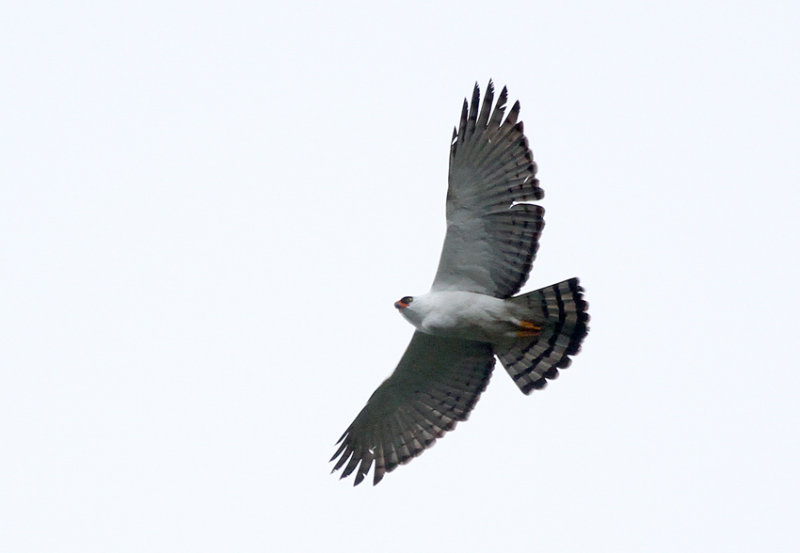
[208, 210]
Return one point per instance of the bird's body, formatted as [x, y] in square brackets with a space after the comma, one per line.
[471, 314]
[466, 315]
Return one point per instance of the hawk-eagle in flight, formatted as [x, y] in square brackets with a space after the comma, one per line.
[471, 314]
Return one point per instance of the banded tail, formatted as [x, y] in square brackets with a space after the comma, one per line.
[560, 311]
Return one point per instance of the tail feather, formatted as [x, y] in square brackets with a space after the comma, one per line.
[562, 313]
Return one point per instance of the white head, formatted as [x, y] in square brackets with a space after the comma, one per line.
[409, 310]
[404, 302]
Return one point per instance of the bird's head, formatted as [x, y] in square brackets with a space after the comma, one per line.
[404, 302]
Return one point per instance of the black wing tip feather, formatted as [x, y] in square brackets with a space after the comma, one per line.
[476, 88]
[471, 105]
[494, 143]
[477, 117]
[417, 428]
[503, 99]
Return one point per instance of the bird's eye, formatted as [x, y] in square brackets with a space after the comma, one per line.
[407, 300]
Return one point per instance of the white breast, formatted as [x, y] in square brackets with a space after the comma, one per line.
[460, 315]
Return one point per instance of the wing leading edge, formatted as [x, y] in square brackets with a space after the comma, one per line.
[435, 385]
[492, 232]
[492, 238]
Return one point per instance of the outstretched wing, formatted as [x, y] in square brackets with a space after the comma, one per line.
[491, 238]
[435, 385]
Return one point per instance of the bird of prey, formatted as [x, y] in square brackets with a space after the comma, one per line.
[471, 314]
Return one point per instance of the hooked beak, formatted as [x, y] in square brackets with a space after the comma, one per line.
[400, 305]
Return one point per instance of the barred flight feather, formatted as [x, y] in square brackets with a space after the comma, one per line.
[436, 385]
[491, 172]
[561, 310]
[492, 238]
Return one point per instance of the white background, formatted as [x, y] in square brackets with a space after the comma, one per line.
[208, 210]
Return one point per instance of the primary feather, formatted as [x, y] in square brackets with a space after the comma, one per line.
[469, 316]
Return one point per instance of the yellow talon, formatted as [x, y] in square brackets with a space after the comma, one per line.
[529, 329]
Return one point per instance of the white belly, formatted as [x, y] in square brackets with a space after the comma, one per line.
[462, 315]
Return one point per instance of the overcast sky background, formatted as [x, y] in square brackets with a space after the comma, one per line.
[208, 210]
